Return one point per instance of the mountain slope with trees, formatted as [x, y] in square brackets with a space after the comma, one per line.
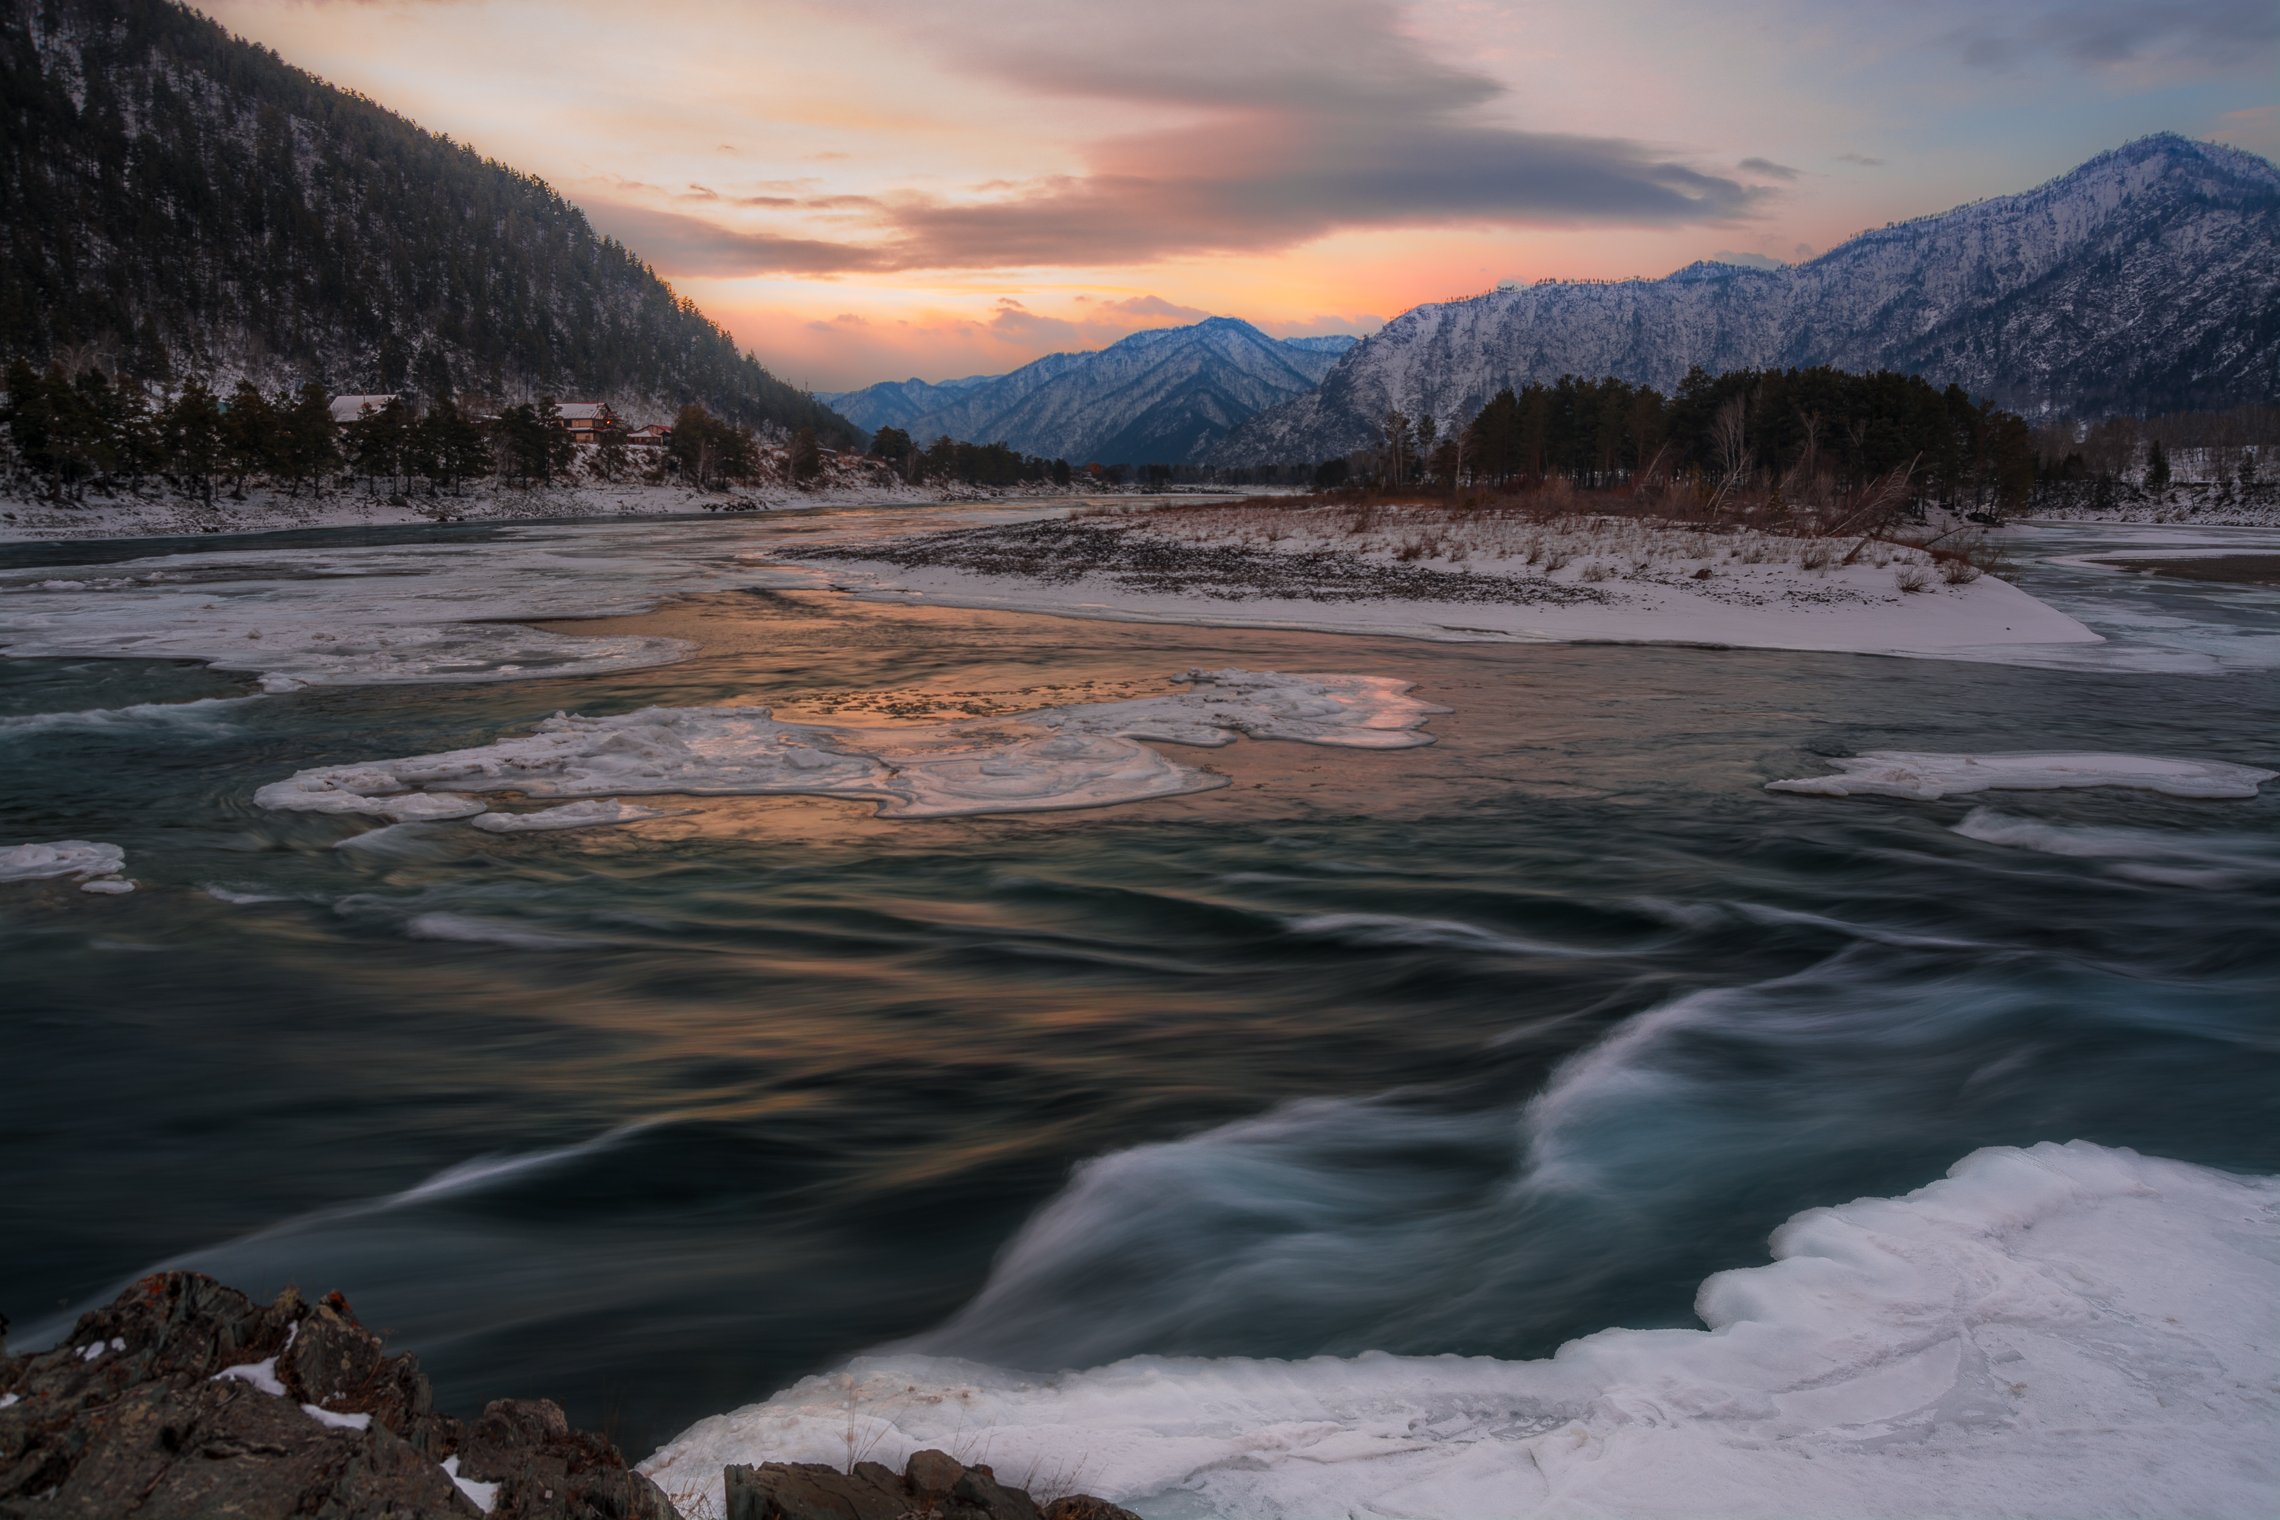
[177, 202]
[2143, 281]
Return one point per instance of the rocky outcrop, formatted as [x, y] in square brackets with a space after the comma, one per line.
[184, 1400]
[933, 1486]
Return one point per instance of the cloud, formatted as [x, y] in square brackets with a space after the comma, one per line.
[690, 245]
[2109, 33]
[1145, 306]
[1861, 159]
[1744, 258]
[1767, 168]
[1358, 325]
[1295, 121]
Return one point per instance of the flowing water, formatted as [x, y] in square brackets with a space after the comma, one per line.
[1475, 1048]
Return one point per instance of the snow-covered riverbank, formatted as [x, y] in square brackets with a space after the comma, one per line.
[164, 514]
[1458, 577]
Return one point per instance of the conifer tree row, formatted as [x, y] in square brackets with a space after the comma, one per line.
[1804, 425]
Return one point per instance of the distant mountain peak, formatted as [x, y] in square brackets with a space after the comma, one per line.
[1163, 395]
[2142, 280]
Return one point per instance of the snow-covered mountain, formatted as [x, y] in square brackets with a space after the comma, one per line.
[2146, 280]
[1158, 397]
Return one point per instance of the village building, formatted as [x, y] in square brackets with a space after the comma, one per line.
[347, 409]
[654, 436]
[585, 421]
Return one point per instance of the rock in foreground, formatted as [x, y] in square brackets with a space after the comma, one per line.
[934, 1486]
[186, 1399]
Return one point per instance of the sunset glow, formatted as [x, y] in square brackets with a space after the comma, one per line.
[871, 191]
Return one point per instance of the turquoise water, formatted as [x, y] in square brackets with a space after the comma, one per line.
[1472, 1048]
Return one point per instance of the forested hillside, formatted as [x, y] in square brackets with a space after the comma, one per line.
[175, 201]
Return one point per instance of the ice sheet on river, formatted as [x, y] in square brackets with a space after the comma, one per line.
[1928, 777]
[2055, 1331]
[96, 867]
[1058, 757]
[354, 614]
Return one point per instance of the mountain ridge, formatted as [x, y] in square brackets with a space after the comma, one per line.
[2039, 301]
[1164, 395]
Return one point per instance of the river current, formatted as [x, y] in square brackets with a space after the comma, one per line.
[1476, 1047]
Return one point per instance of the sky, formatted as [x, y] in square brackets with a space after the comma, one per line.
[865, 190]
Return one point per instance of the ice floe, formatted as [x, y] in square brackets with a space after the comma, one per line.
[473, 929]
[1927, 777]
[2052, 1331]
[97, 867]
[571, 815]
[2157, 857]
[1087, 755]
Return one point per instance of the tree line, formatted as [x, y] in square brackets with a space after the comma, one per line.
[70, 434]
[1818, 432]
[946, 461]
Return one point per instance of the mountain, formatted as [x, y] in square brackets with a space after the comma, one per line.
[182, 202]
[2144, 281]
[1159, 397]
[898, 403]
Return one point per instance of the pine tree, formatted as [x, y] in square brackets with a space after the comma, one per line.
[195, 446]
[249, 429]
[308, 444]
[2156, 467]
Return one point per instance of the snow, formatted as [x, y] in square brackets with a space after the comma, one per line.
[484, 1495]
[97, 867]
[161, 515]
[1160, 396]
[325, 1416]
[1928, 777]
[571, 815]
[8, 1399]
[436, 610]
[2045, 300]
[1511, 581]
[261, 1374]
[2053, 1331]
[1087, 755]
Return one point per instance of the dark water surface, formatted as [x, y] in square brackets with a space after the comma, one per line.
[654, 1119]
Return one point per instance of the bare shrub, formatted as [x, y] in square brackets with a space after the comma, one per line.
[1957, 570]
[1912, 577]
[1818, 554]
